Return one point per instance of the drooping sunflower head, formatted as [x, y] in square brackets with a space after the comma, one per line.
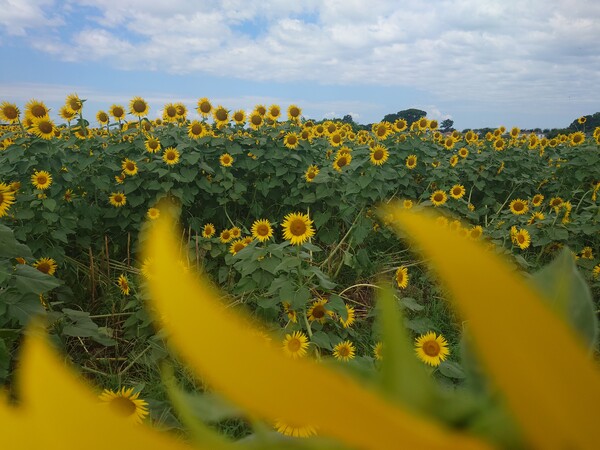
[344, 351]
[431, 348]
[519, 206]
[45, 265]
[41, 180]
[379, 155]
[123, 284]
[402, 277]
[297, 228]
[117, 111]
[294, 345]
[237, 246]
[138, 107]
[350, 317]
[294, 113]
[438, 198]
[208, 230]
[457, 191]
[261, 230]
[117, 199]
[226, 160]
[170, 156]
[36, 109]
[9, 112]
[318, 311]
[126, 404]
[204, 107]
[73, 104]
[7, 198]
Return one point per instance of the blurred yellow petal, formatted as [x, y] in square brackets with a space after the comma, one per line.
[56, 410]
[539, 363]
[228, 353]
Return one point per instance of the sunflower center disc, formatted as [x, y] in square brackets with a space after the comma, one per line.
[431, 348]
[298, 228]
[123, 406]
[43, 267]
[318, 312]
[294, 345]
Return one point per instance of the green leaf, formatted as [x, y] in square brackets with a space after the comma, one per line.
[321, 339]
[451, 369]
[567, 292]
[411, 303]
[49, 204]
[30, 280]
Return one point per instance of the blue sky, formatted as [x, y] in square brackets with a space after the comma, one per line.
[481, 63]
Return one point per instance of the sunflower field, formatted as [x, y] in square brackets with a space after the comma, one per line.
[294, 220]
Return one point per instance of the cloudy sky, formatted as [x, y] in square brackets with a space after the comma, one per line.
[530, 63]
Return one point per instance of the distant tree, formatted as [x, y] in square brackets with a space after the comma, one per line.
[591, 121]
[348, 119]
[410, 115]
[446, 125]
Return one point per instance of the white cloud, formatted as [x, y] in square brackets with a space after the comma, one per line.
[500, 53]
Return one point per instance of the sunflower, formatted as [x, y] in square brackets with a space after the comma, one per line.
[226, 160]
[453, 160]
[298, 431]
[431, 348]
[261, 230]
[449, 143]
[9, 112]
[463, 152]
[402, 277]
[291, 140]
[208, 230]
[536, 217]
[221, 116]
[138, 107]
[294, 113]
[41, 180]
[196, 130]
[522, 238]
[120, 178]
[204, 107]
[126, 404]
[318, 312]
[181, 110]
[7, 198]
[400, 125]
[66, 113]
[407, 203]
[43, 127]
[235, 232]
[256, 120]
[411, 162]
[537, 200]
[381, 130]
[433, 125]
[123, 284]
[170, 156]
[556, 203]
[350, 319]
[596, 271]
[287, 308]
[499, 144]
[170, 113]
[378, 351]
[422, 123]
[341, 161]
[582, 120]
[379, 155]
[438, 198]
[274, 112]
[514, 132]
[36, 109]
[117, 111]
[335, 139]
[225, 236]
[297, 228]
[311, 173]
[117, 199]
[45, 265]
[102, 118]
[587, 253]
[295, 344]
[129, 167]
[344, 351]
[457, 191]
[237, 246]
[476, 232]
[239, 117]
[153, 213]
[577, 138]
[519, 207]
[152, 144]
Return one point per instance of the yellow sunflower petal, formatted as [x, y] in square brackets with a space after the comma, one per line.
[221, 346]
[64, 413]
[535, 358]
